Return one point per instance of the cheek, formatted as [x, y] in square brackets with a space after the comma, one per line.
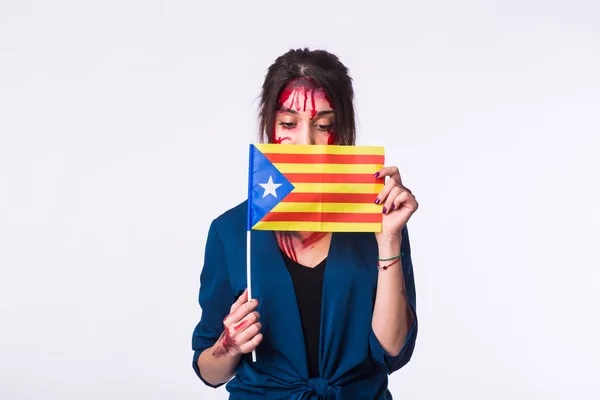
[321, 141]
[281, 135]
[330, 134]
[331, 138]
[325, 137]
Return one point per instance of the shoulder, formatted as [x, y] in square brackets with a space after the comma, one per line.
[230, 227]
[232, 219]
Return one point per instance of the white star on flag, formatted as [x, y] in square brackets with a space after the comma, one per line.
[270, 187]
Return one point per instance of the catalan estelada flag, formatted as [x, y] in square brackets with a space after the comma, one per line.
[319, 188]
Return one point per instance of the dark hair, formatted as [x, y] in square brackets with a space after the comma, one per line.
[329, 73]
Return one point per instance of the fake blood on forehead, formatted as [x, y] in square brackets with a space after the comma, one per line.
[294, 93]
[302, 87]
[308, 88]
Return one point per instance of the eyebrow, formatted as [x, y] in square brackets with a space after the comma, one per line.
[292, 111]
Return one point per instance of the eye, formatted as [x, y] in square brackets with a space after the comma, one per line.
[288, 125]
[324, 128]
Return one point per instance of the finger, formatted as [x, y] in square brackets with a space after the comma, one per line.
[385, 191]
[240, 312]
[251, 344]
[245, 322]
[389, 204]
[407, 201]
[241, 300]
[402, 197]
[393, 172]
[249, 333]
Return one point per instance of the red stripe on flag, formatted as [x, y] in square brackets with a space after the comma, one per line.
[325, 158]
[322, 217]
[332, 178]
[329, 198]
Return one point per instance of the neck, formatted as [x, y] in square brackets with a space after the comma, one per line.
[310, 239]
[304, 246]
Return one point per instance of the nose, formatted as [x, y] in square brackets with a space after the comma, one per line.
[305, 135]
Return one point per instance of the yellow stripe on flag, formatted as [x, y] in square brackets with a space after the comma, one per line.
[318, 226]
[285, 168]
[327, 207]
[337, 188]
[320, 149]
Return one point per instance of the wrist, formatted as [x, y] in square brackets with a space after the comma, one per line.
[225, 348]
[389, 240]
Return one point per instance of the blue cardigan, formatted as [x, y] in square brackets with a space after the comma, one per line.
[353, 365]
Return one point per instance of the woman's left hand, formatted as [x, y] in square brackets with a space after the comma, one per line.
[398, 202]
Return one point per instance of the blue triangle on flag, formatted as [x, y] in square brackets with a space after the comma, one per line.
[267, 186]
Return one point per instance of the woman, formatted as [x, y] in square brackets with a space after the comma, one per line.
[334, 313]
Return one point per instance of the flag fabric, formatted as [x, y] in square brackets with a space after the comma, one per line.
[319, 188]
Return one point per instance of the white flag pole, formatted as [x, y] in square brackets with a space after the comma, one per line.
[249, 277]
[249, 231]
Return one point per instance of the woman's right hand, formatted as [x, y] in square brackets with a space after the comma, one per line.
[241, 332]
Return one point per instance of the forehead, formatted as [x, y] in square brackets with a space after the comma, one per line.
[300, 91]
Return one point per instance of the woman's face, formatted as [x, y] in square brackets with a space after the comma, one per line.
[305, 115]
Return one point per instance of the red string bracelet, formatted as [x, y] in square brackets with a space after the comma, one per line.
[384, 267]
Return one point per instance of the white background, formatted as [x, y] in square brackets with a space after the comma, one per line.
[123, 132]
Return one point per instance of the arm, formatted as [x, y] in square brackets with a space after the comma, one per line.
[217, 370]
[394, 323]
[228, 327]
[392, 315]
[240, 336]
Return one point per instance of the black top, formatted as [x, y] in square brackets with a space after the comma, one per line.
[308, 285]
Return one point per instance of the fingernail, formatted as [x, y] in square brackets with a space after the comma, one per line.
[376, 175]
[384, 210]
[392, 207]
[377, 201]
